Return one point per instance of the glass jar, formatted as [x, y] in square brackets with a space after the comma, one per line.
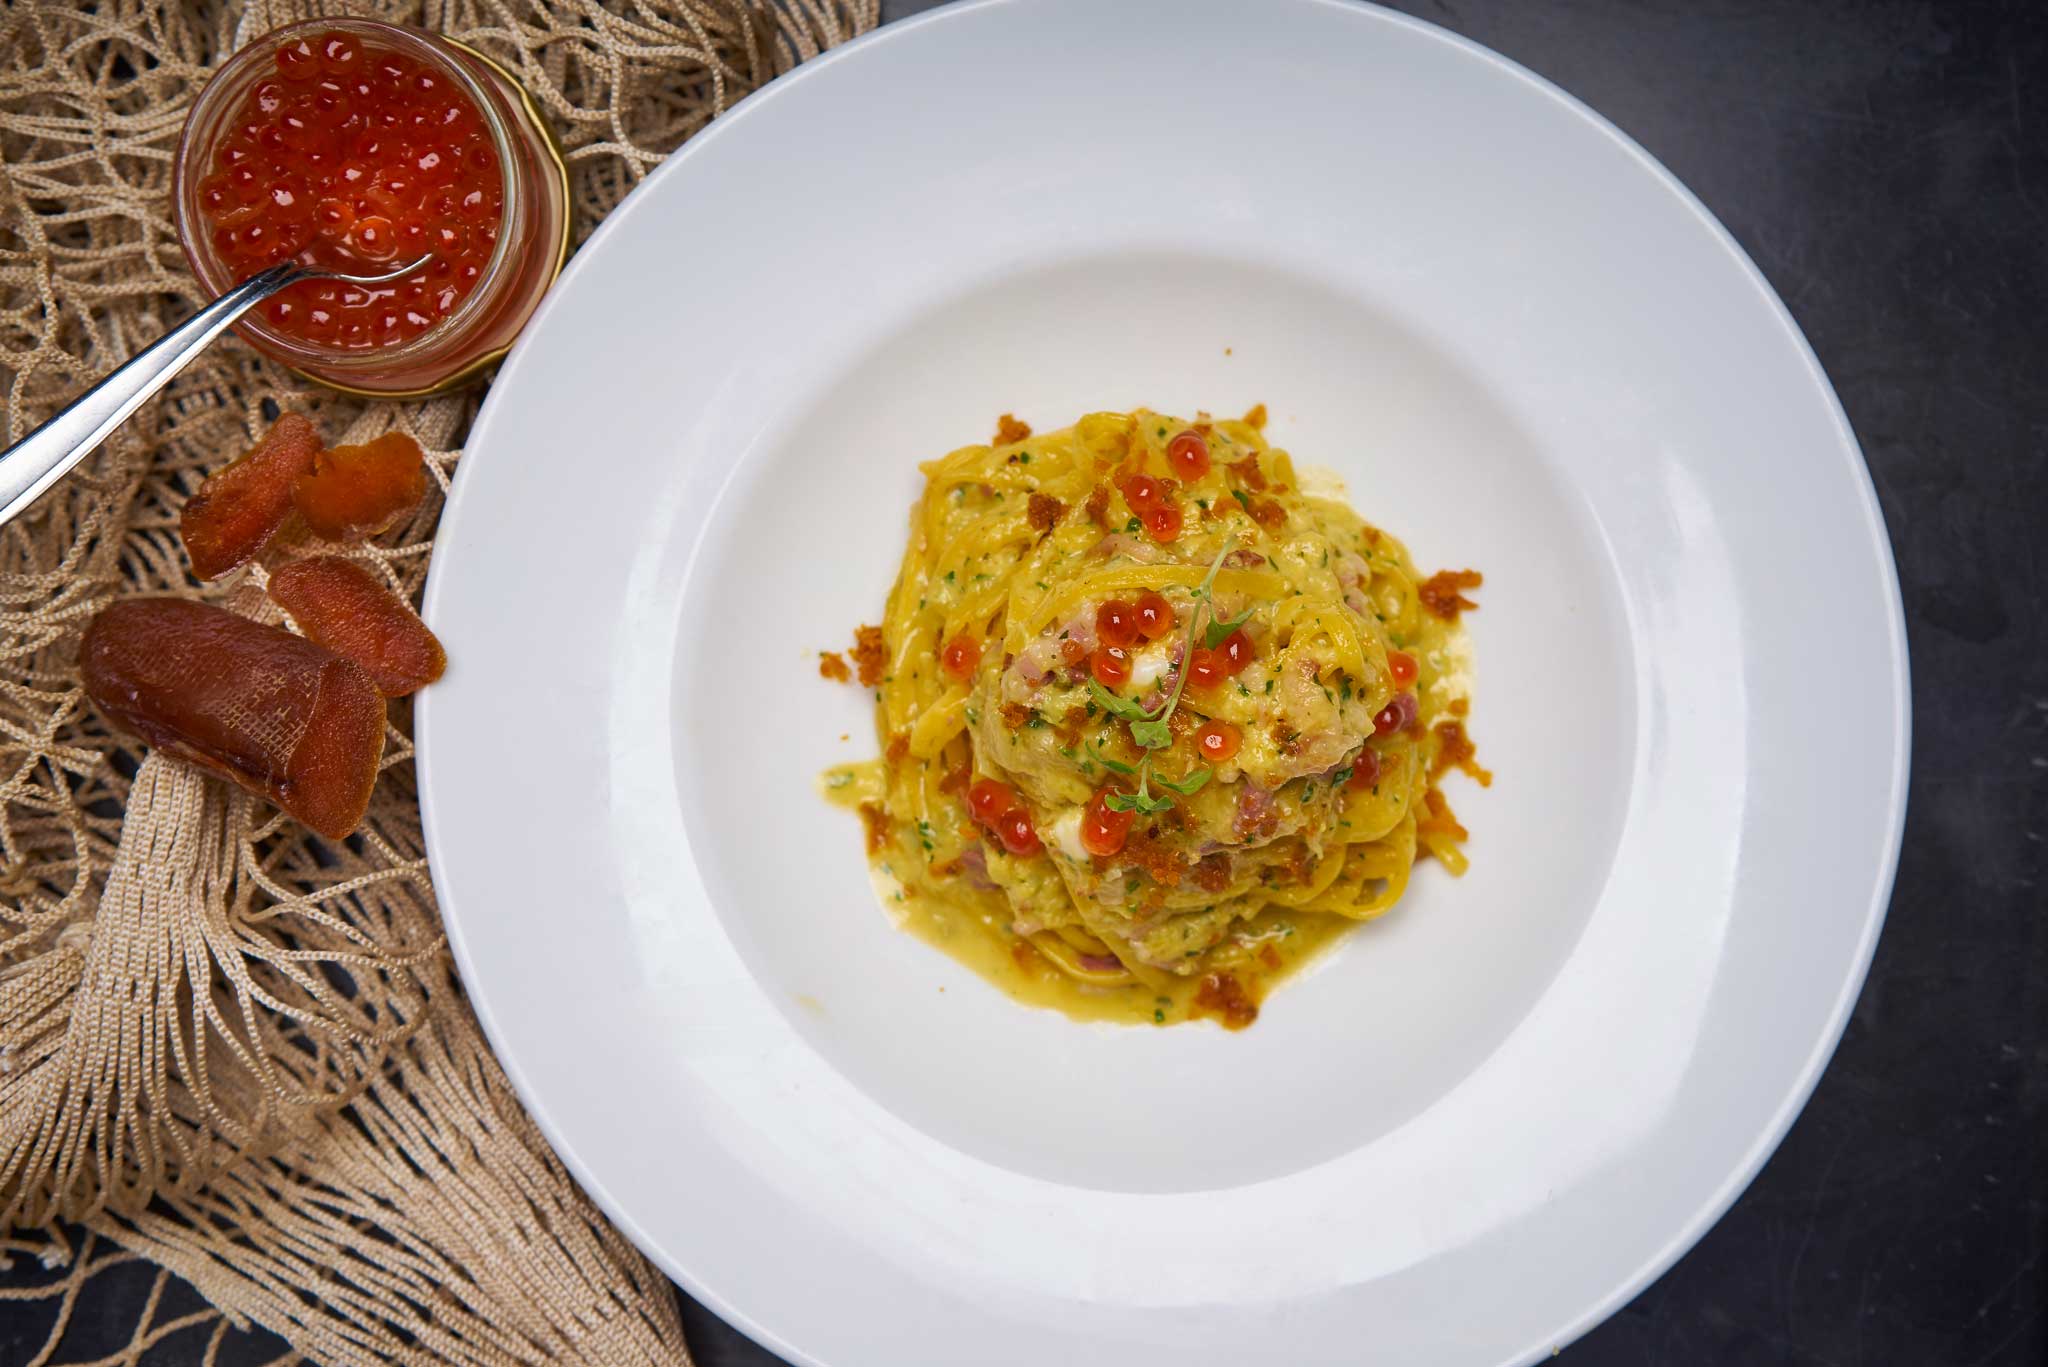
[532, 232]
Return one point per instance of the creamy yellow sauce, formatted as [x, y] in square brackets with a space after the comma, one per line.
[977, 933]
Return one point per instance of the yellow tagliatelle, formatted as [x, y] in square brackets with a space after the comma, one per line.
[1156, 722]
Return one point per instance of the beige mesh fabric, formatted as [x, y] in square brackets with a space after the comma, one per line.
[225, 1044]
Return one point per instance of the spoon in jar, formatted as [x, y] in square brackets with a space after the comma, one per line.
[41, 458]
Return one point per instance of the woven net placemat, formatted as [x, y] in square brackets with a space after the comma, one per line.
[226, 1045]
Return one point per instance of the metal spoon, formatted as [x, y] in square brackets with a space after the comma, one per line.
[38, 460]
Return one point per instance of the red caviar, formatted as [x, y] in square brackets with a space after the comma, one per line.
[1236, 651]
[1218, 741]
[1015, 830]
[1402, 714]
[1401, 667]
[1116, 622]
[356, 158]
[1143, 493]
[1111, 666]
[1156, 616]
[1163, 523]
[960, 656]
[988, 799]
[994, 804]
[1188, 454]
[1206, 668]
[1104, 831]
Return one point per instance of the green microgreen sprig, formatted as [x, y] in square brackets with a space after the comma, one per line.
[1219, 631]
[1150, 729]
[1114, 765]
[1143, 800]
[1153, 735]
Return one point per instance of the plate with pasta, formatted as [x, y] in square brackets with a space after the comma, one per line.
[1159, 716]
[1092, 720]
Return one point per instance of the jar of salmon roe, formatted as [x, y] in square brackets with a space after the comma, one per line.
[359, 146]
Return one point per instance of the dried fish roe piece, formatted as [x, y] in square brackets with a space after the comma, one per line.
[870, 655]
[345, 607]
[357, 491]
[239, 508]
[288, 720]
[1443, 593]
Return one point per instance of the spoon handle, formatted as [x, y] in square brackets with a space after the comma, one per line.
[41, 458]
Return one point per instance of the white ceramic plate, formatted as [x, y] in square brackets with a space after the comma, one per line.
[1490, 1117]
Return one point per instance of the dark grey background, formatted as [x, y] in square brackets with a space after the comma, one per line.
[1886, 163]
